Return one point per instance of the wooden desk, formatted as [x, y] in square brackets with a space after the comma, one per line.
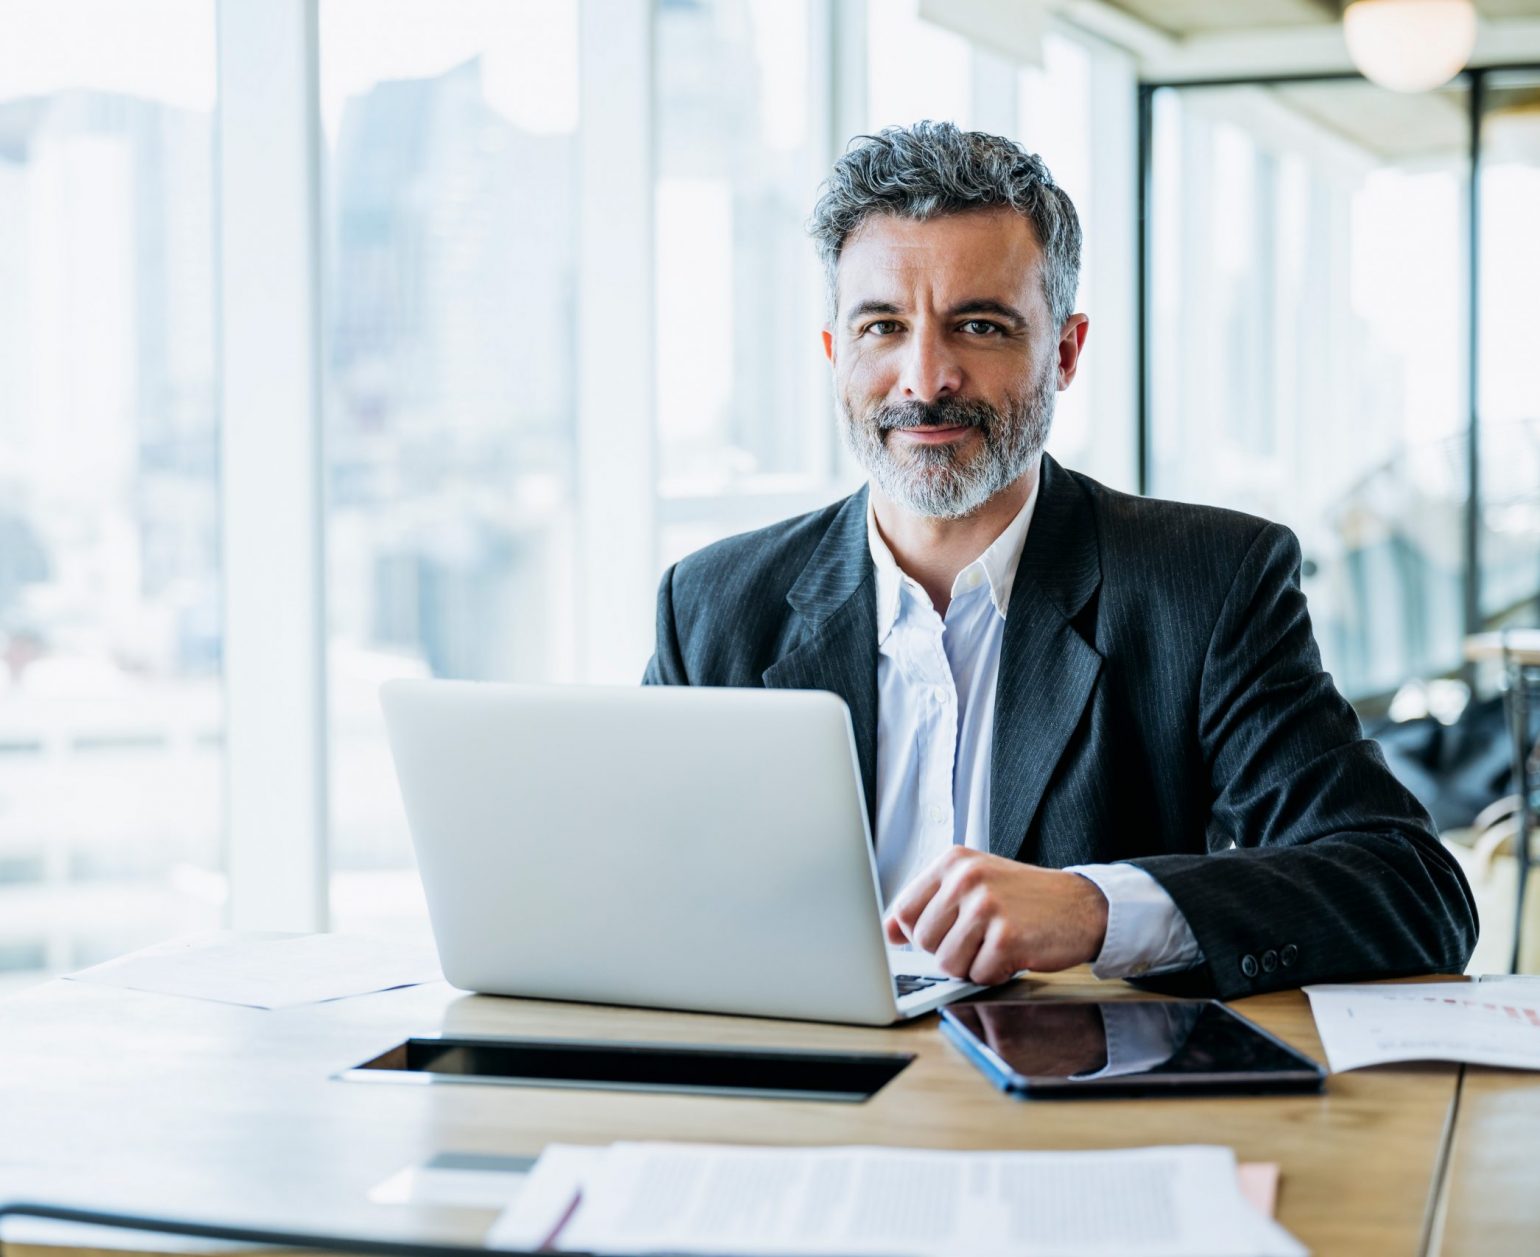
[153, 1104]
[1491, 1197]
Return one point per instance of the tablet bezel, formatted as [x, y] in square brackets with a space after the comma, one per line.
[1309, 1077]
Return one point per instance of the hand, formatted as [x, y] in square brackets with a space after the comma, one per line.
[984, 917]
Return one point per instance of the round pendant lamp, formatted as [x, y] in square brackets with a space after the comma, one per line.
[1410, 45]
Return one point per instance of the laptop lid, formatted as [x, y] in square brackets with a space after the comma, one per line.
[684, 848]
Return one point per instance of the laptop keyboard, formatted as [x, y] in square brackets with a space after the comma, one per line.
[909, 983]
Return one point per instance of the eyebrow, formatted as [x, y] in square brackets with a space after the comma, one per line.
[975, 305]
[865, 308]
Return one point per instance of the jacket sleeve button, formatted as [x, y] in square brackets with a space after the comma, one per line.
[1289, 954]
[1269, 960]
[1249, 965]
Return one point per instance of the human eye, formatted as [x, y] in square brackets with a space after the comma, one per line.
[982, 327]
[882, 327]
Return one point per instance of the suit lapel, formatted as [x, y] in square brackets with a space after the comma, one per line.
[1047, 669]
[836, 601]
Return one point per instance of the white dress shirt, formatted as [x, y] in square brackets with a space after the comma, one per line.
[935, 730]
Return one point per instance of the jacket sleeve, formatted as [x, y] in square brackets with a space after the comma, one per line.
[1322, 867]
[666, 667]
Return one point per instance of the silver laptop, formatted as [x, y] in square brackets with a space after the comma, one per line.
[685, 848]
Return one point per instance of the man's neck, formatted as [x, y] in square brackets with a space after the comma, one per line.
[933, 551]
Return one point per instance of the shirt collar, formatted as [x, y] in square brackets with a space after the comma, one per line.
[997, 565]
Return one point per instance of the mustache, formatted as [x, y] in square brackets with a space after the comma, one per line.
[946, 412]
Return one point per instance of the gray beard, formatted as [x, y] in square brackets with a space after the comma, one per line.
[938, 481]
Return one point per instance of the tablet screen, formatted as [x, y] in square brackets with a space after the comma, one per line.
[1126, 1045]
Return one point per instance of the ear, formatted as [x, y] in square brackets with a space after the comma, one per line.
[1071, 342]
[828, 344]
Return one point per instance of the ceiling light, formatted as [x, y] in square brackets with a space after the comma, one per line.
[1410, 45]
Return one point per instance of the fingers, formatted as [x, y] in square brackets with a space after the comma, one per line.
[985, 918]
[936, 919]
[994, 961]
[905, 910]
[956, 953]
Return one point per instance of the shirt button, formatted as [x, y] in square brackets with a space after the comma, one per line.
[1288, 955]
[1249, 965]
[934, 814]
[1269, 960]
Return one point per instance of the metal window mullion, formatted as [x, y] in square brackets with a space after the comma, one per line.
[269, 334]
[1476, 102]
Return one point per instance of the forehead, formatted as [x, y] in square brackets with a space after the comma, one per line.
[977, 254]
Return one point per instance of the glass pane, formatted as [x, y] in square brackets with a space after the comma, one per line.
[450, 147]
[1056, 111]
[111, 721]
[741, 396]
[1308, 347]
[1510, 365]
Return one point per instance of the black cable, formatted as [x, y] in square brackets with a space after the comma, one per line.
[244, 1234]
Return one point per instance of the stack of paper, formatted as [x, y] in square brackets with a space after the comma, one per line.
[1495, 1021]
[884, 1202]
[269, 970]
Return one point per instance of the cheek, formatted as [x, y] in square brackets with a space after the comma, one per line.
[866, 374]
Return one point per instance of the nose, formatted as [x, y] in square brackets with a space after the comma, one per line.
[930, 369]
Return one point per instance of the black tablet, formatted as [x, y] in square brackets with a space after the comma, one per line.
[1068, 1049]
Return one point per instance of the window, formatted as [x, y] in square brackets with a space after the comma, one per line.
[1509, 392]
[745, 415]
[1076, 113]
[500, 486]
[1302, 370]
[450, 177]
[111, 726]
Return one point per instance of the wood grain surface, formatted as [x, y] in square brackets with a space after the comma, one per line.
[156, 1104]
[1492, 1187]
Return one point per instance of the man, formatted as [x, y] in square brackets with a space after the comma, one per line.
[1092, 727]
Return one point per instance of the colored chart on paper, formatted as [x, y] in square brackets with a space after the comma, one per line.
[1490, 1022]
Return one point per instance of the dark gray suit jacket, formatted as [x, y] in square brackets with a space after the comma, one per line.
[1160, 698]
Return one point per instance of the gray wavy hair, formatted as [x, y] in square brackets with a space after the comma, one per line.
[932, 169]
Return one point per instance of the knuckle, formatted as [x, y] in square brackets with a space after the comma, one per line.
[969, 877]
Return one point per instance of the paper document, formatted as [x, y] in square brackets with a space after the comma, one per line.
[635, 1198]
[1491, 1022]
[548, 1198]
[269, 970]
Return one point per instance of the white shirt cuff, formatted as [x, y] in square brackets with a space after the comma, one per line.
[1146, 932]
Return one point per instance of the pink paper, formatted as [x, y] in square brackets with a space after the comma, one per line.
[1259, 1185]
